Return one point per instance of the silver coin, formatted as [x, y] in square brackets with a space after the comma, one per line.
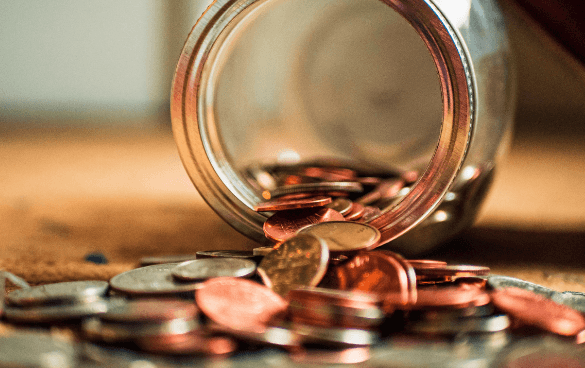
[149, 261]
[201, 269]
[571, 299]
[341, 186]
[151, 280]
[97, 329]
[498, 282]
[341, 205]
[262, 251]
[493, 323]
[245, 254]
[62, 292]
[18, 281]
[54, 313]
[335, 336]
[149, 310]
[35, 349]
[344, 236]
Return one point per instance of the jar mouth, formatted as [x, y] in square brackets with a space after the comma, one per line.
[215, 166]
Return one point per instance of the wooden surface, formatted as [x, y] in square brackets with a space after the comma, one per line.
[124, 193]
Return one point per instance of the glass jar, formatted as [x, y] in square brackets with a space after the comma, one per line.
[393, 86]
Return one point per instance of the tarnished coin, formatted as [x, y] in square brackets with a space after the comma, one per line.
[151, 280]
[149, 310]
[239, 303]
[336, 336]
[245, 254]
[292, 204]
[341, 186]
[493, 323]
[149, 261]
[55, 313]
[535, 310]
[341, 205]
[285, 224]
[62, 292]
[299, 261]
[500, 282]
[345, 236]
[207, 268]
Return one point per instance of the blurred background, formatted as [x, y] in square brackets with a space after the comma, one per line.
[88, 160]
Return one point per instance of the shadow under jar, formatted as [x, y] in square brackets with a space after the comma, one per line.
[381, 87]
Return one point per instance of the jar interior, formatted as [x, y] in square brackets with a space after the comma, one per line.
[349, 82]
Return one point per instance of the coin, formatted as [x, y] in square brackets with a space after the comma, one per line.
[292, 204]
[369, 214]
[149, 310]
[376, 272]
[285, 224]
[356, 212]
[450, 297]
[335, 336]
[299, 261]
[386, 189]
[345, 236]
[193, 343]
[269, 335]
[461, 325]
[213, 267]
[239, 303]
[246, 254]
[426, 263]
[535, 310]
[61, 292]
[342, 186]
[410, 273]
[329, 173]
[453, 271]
[151, 280]
[149, 261]
[108, 331]
[262, 251]
[341, 205]
[54, 313]
[500, 282]
[571, 299]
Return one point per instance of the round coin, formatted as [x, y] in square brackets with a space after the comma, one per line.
[149, 261]
[460, 325]
[193, 343]
[62, 292]
[356, 212]
[369, 214]
[341, 205]
[426, 263]
[55, 313]
[292, 204]
[239, 303]
[572, 299]
[342, 186]
[500, 282]
[207, 268]
[345, 236]
[336, 336]
[535, 310]
[285, 224]
[453, 271]
[262, 251]
[450, 297]
[151, 280]
[299, 261]
[149, 310]
[98, 329]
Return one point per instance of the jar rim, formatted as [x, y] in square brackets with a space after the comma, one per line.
[212, 175]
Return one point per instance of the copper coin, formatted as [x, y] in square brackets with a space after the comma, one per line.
[369, 214]
[536, 310]
[378, 273]
[270, 335]
[188, 344]
[409, 176]
[456, 326]
[356, 212]
[342, 186]
[239, 303]
[450, 297]
[426, 263]
[292, 204]
[386, 189]
[345, 236]
[150, 310]
[453, 271]
[341, 205]
[329, 173]
[285, 224]
[411, 274]
[336, 336]
[299, 261]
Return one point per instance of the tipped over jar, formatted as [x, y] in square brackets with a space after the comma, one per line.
[273, 93]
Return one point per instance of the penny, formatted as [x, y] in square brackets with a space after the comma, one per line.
[356, 212]
[246, 254]
[108, 331]
[239, 303]
[410, 273]
[535, 310]
[269, 335]
[461, 325]
[453, 271]
[149, 310]
[500, 282]
[193, 343]
[376, 272]
[426, 263]
[151, 280]
[331, 357]
[345, 236]
[329, 173]
[61, 292]
[450, 297]
[342, 186]
[285, 224]
[336, 336]
[292, 204]
[299, 261]
[213, 267]
[149, 261]
[341, 205]
[386, 189]
[54, 313]
[369, 214]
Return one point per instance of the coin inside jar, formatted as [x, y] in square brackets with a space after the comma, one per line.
[285, 224]
[213, 267]
[292, 204]
[299, 261]
[345, 236]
